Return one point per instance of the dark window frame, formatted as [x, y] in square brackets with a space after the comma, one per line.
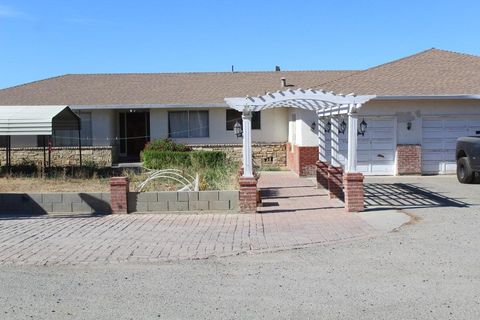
[237, 116]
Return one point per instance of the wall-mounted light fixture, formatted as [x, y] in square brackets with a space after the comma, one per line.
[409, 125]
[237, 129]
[343, 127]
[328, 127]
[363, 128]
[313, 126]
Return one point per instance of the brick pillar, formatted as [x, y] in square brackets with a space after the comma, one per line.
[409, 159]
[322, 174]
[335, 182]
[248, 195]
[354, 194]
[119, 194]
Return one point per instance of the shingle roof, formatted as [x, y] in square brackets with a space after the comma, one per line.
[158, 88]
[430, 72]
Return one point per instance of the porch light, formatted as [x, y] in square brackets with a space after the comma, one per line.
[237, 129]
[343, 127]
[409, 125]
[328, 127]
[313, 126]
[363, 127]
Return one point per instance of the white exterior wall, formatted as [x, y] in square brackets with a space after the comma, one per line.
[304, 135]
[273, 124]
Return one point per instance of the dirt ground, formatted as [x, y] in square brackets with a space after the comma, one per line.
[15, 184]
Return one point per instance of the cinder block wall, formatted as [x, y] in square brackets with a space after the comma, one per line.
[183, 201]
[83, 203]
[48, 203]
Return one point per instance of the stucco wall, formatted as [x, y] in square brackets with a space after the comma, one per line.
[273, 127]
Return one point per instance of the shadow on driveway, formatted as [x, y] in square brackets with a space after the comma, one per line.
[406, 195]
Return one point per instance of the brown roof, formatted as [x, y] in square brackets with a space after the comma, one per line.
[431, 72]
[158, 88]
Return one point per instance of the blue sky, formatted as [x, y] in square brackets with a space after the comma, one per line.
[40, 39]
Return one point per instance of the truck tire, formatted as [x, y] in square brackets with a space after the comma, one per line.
[464, 172]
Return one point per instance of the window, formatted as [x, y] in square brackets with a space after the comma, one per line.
[3, 141]
[69, 138]
[188, 124]
[234, 116]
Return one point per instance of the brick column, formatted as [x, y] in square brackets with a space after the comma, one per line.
[322, 174]
[335, 182]
[248, 195]
[409, 159]
[354, 194]
[119, 194]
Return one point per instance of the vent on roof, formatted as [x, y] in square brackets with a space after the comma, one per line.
[284, 82]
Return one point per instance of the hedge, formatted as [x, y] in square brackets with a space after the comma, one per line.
[170, 159]
[166, 145]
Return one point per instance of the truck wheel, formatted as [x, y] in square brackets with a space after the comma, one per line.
[464, 172]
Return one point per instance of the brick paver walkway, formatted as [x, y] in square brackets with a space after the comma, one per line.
[295, 214]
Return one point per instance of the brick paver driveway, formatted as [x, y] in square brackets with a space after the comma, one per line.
[295, 214]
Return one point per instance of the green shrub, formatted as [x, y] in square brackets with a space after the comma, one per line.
[167, 145]
[153, 159]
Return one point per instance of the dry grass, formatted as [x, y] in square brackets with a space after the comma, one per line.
[31, 184]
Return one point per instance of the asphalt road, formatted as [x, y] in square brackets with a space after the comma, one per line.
[429, 269]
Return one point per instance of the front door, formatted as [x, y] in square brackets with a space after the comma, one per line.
[134, 134]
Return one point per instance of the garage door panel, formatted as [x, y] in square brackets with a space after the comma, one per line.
[439, 142]
[432, 124]
[383, 155]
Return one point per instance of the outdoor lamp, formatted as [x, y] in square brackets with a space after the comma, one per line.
[363, 127]
[328, 127]
[409, 125]
[313, 126]
[237, 129]
[343, 127]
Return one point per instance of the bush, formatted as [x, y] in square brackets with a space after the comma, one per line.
[166, 145]
[153, 159]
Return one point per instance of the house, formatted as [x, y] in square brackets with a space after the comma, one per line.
[421, 104]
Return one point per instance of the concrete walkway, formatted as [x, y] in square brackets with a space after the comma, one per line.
[295, 215]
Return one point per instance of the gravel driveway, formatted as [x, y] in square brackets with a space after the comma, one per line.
[429, 269]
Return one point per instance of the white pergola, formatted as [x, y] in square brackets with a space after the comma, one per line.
[328, 106]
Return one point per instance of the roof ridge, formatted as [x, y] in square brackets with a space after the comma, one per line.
[32, 82]
[379, 66]
[198, 72]
[459, 53]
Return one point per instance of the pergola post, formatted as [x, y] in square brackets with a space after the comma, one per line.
[247, 143]
[353, 180]
[335, 170]
[322, 164]
[248, 183]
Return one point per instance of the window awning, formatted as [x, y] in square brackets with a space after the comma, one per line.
[36, 120]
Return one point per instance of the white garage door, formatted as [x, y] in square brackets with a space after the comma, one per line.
[439, 140]
[376, 150]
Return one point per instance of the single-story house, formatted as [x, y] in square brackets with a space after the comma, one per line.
[421, 104]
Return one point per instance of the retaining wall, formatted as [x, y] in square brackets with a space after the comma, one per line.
[183, 201]
[82, 203]
[102, 156]
[263, 154]
[47, 203]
